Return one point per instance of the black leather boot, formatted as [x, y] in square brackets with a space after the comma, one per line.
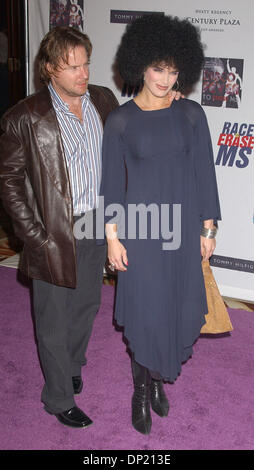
[141, 416]
[159, 401]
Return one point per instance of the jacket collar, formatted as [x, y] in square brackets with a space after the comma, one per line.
[49, 141]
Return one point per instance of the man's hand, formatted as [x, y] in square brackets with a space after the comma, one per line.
[175, 95]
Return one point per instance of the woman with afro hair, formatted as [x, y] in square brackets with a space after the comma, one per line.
[158, 162]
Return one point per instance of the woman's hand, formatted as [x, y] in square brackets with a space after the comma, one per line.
[117, 255]
[207, 246]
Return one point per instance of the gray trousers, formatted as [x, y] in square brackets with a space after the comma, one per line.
[64, 319]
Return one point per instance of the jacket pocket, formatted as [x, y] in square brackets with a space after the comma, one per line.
[35, 262]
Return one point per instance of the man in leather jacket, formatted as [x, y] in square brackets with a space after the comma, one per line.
[49, 177]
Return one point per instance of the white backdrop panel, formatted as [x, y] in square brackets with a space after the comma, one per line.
[227, 32]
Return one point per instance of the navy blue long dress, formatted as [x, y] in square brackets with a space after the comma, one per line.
[156, 158]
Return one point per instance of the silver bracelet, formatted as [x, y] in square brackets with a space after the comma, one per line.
[208, 232]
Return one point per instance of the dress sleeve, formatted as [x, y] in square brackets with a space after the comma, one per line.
[113, 183]
[208, 198]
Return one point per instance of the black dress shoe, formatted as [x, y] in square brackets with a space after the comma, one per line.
[75, 418]
[77, 384]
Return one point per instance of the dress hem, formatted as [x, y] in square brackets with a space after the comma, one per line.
[165, 378]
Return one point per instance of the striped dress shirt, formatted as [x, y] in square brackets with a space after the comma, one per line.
[82, 145]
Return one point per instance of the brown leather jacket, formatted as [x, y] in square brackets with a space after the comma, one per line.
[35, 188]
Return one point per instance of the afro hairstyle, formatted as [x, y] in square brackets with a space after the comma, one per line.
[160, 39]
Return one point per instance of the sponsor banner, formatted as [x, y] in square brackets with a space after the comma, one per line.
[124, 16]
[236, 142]
[215, 20]
[235, 264]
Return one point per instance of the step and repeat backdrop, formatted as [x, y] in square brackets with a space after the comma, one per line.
[225, 91]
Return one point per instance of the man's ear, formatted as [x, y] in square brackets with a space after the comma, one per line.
[49, 68]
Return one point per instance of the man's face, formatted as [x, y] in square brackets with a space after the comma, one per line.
[71, 79]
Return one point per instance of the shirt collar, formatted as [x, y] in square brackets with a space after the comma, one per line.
[59, 103]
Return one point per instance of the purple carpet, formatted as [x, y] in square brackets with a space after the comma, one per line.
[212, 401]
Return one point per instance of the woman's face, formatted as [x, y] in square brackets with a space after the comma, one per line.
[160, 79]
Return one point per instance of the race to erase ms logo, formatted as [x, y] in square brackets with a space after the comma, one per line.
[222, 82]
[236, 142]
